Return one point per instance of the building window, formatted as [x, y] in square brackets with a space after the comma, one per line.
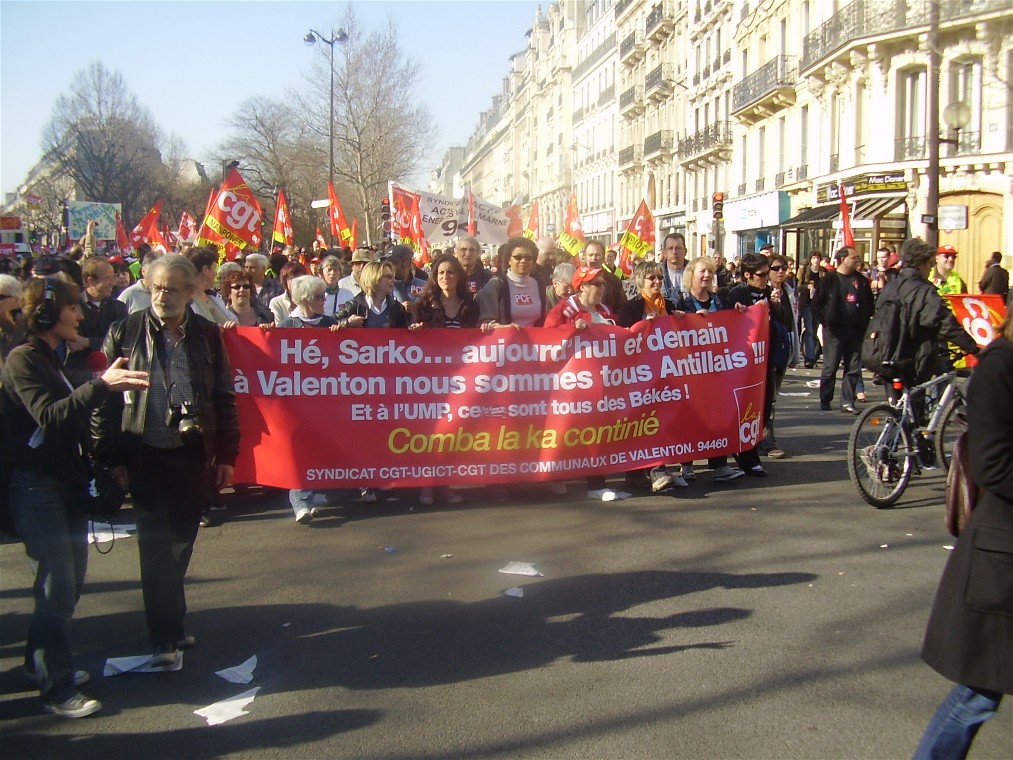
[860, 132]
[965, 87]
[911, 114]
[804, 136]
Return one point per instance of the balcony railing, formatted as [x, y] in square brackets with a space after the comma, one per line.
[658, 142]
[713, 136]
[632, 45]
[777, 73]
[696, 79]
[695, 206]
[742, 189]
[727, 57]
[622, 5]
[631, 97]
[606, 47]
[802, 172]
[659, 78]
[607, 96]
[910, 148]
[659, 20]
[578, 115]
[631, 155]
[865, 18]
[835, 161]
[779, 179]
[968, 143]
[706, 72]
[761, 183]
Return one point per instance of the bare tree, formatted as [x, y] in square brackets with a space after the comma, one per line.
[106, 141]
[381, 131]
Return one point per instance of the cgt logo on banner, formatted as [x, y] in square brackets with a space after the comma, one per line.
[439, 406]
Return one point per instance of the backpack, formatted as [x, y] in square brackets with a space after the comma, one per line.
[885, 337]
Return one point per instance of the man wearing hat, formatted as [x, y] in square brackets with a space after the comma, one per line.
[943, 277]
[348, 287]
[407, 284]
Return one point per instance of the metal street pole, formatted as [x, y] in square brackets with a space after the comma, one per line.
[931, 216]
[310, 39]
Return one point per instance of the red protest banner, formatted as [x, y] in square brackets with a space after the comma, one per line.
[980, 315]
[423, 408]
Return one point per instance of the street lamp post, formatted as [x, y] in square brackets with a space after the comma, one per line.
[311, 39]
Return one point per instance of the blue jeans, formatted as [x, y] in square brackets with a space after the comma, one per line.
[956, 722]
[810, 343]
[55, 531]
[303, 499]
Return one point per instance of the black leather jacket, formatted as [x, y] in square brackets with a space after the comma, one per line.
[119, 425]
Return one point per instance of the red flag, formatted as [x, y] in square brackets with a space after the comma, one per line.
[472, 224]
[122, 241]
[531, 232]
[416, 237]
[638, 240]
[849, 237]
[235, 216]
[320, 239]
[572, 237]
[171, 241]
[187, 227]
[401, 203]
[355, 231]
[340, 232]
[146, 232]
[282, 232]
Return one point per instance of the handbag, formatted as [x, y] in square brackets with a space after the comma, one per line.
[103, 496]
[961, 490]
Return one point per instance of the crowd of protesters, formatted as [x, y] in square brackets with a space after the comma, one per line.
[133, 345]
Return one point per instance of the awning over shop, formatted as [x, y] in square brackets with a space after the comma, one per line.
[871, 208]
[874, 208]
[813, 217]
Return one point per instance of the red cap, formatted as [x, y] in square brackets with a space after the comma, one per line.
[582, 275]
[947, 249]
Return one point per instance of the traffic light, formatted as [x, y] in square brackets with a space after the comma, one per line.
[385, 216]
[718, 205]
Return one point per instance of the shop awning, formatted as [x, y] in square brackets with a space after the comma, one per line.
[814, 217]
[876, 207]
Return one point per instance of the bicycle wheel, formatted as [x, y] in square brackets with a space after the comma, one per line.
[880, 455]
[951, 426]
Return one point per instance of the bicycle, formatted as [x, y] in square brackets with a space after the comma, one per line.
[888, 445]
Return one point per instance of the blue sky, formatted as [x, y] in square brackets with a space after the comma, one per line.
[165, 51]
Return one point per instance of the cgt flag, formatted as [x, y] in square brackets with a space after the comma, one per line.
[572, 237]
[849, 236]
[638, 240]
[122, 241]
[282, 233]
[146, 232]
[340, 231]
[531, 232]
[187, 227]
[416, 237]
[233, 220]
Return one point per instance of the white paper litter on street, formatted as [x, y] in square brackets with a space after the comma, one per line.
[227, 709]
[812, 384]
[103, 533]
[515, 591]
[138, 664]
[240, 673]
[884, 546]
[948, 547]
[519, 568]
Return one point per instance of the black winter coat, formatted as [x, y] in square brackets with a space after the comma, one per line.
[969, 639]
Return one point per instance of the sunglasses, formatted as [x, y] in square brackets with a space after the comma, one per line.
[526, 257]
[764, 273]
[777, 268]
[245, 286]
[950, 256]
[654, 277]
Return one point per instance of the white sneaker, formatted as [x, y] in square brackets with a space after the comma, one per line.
[314, 512]
[661, 481]
[304, 516]
[368, 496]
[602, 494]
[725, 474]
[688, 473]
[77, 706]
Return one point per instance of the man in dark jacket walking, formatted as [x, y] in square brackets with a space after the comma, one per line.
[843, 304]
[171, 444]
[100, 310]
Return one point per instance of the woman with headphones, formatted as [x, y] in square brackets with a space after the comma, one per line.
[45, 431]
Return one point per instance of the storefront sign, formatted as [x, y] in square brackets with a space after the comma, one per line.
[863, 184]
[757, 212]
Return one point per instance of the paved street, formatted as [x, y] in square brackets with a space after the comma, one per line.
[761, 619]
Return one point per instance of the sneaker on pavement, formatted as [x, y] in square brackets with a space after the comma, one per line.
[81, 677]
[756, 471]
[849, 409]
[661, 481]
[368, 496]
[679, 481]
[726, 473]
[314, 512]
[189, 641]
[77, 706]
[164, 656]
[688, 473]
[776, 453]
[304, 516]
